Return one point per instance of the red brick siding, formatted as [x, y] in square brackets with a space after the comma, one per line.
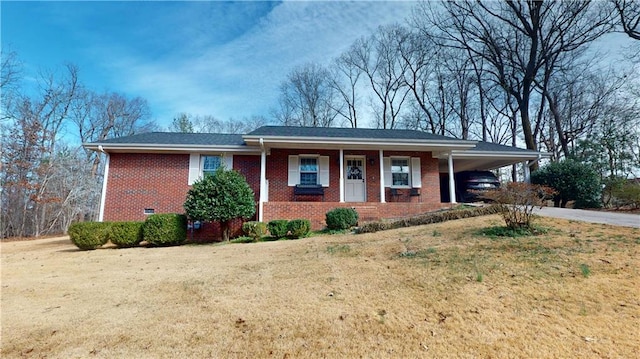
[139, 180]
[160, 181]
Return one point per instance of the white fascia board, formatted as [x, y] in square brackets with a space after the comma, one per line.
[133, 147]
[470, 154]
[361, 143]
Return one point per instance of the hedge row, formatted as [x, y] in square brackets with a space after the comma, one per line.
[159, 229]
[279, 228]
[428, 218]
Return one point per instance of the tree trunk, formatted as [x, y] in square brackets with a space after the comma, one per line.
[224, 227]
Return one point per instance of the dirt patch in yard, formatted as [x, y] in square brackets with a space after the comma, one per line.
[441, 290]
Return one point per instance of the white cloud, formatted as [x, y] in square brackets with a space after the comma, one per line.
[240, 77]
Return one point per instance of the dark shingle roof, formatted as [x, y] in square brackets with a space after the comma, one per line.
[173, 138]
[334, 132]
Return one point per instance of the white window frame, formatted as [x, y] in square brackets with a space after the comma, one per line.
[407, 172]
[301, 171]
[295, 164]
[196, 164]
[414, 172]
[204, 171]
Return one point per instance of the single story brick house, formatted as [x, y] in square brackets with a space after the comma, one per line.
[295, 172]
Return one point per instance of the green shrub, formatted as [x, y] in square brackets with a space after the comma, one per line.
[126, 234]
[299, 228]
[221, 197]
[278, 228]
[254, 229]
[89, 235]
[166, 229]
[571, 180]
[341, 218]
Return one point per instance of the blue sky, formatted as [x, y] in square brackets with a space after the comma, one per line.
[225, 59]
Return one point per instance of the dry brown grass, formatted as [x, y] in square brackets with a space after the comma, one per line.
[431, 291]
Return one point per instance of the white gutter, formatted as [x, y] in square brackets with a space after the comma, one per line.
[132, 147]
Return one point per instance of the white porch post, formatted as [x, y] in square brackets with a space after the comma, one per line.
[382, 199]
[263, 181]
[452, 181]
[527, 171]
[341, 175]
[103, 196]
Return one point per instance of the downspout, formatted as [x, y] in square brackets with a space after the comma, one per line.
[341, 175]
[527, 168]
[263, 180]
[103, 195]
[382, 194]
[452, 181]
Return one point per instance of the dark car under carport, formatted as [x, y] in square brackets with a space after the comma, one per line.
[468, 183]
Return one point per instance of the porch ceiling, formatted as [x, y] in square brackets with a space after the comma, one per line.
[480, 160]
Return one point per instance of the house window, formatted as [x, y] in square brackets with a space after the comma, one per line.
[149, 211]
[308, 170]
[210, 164]
[400, 172]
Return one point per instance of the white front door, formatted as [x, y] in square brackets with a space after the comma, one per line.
[354, 182]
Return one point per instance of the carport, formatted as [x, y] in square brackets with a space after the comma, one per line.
[483, 157]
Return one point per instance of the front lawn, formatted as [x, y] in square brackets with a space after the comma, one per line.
[440, 290]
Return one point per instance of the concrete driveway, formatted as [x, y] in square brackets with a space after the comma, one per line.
[616, 219]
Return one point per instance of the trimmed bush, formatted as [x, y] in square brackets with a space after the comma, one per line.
[89, 235]
[341, 218]
[254, 229]
[126, 234]
[278, 228]
[429, 218]
[299, 228]
[166, 229]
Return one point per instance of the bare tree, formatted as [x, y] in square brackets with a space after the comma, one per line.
[516, 39]
[101, 116]
[345, 78]
[308, 98]
[377, 57]
[185, 122]
[29, 154]
[629, 16]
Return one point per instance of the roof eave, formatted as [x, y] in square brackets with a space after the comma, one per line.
[341, 142]
[173, 148]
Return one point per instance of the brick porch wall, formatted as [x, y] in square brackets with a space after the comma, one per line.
[367, 211]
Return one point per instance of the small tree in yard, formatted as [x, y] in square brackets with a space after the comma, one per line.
[517, 201]
[220, 197]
